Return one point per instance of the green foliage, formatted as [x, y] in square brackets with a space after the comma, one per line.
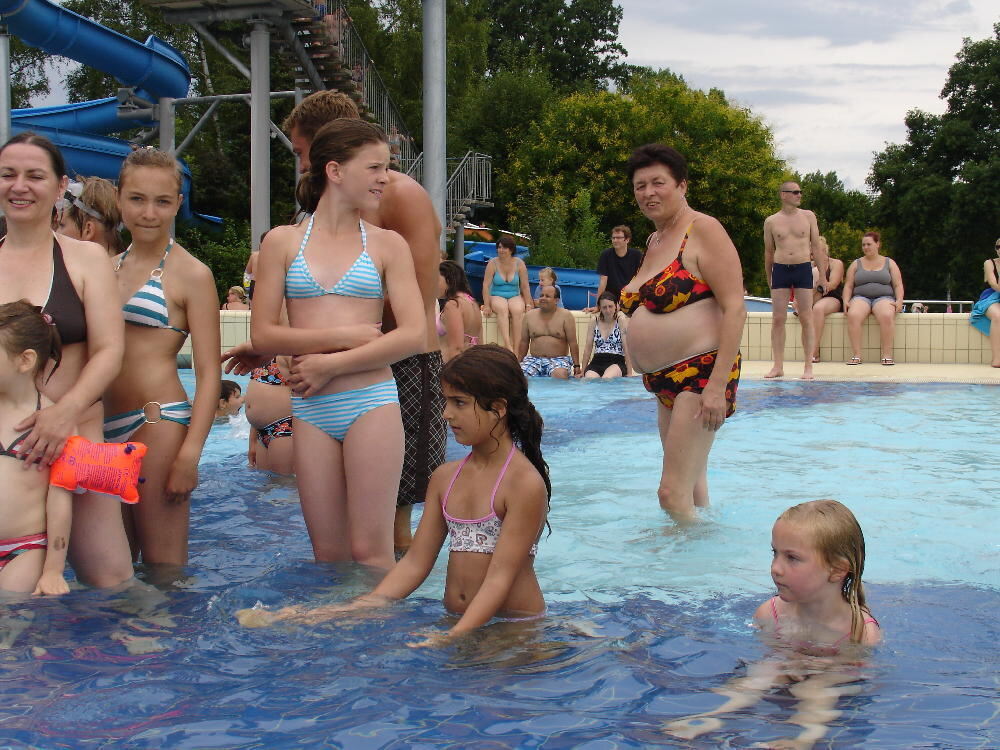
[495, 123]
[226, 252]
[576, 41]
[392, 31]
[583, 141]
[826, 196]
[28, 77]
[937, 192]
[566, 233]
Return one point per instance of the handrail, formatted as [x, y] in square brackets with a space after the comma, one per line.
[470, 184]
[374, 96]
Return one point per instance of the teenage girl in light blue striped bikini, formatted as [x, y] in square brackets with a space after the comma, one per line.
[167, 294]
[335, 273]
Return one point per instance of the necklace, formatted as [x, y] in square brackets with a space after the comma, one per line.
[668, 227]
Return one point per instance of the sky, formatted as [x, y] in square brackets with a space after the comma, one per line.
[832, 78]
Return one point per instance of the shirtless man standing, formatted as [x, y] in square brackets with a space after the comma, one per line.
[791, 239]
[549, 333]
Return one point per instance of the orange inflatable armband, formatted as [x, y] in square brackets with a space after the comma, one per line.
[109, 468]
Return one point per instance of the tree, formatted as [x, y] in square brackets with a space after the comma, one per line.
[575, 40]
[392, 31]
[826, 195]
[937, 192]
[28, 77]
[584, 140]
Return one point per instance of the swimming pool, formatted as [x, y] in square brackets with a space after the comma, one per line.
[645, 619]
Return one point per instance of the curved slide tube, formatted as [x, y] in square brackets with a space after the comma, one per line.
[80, 129]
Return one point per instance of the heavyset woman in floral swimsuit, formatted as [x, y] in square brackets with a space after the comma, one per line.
[687, 310]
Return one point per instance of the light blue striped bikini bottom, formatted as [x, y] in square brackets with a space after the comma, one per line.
[334, 413]
[121, 427]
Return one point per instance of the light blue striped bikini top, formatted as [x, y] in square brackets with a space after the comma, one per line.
[361, 279]
[148, 306]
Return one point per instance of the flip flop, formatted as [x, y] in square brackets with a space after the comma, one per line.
[887, 361]
[854, 361]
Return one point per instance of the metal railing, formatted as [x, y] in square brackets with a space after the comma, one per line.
[470, 184]
[374, 95]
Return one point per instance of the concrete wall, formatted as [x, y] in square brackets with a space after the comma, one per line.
[920, 337]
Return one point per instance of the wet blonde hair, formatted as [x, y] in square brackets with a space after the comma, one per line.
[100, 196]
[149, 157]
[836, 535]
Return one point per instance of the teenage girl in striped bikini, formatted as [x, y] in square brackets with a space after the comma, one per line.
[166, 294]
[335, 274]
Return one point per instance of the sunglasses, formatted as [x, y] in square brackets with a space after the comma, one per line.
[793, 192]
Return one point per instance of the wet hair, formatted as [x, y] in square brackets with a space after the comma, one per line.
[229, 389]
[607, 296]
[656, 153]
[337, 141]
[317, 109]
[150, 157]
[239, 292]
[455, 279]
[24, 326]
[99, 196]
[551, 272]
[51, 150]
[836, 535]
[490, 373]
[507, 242]
[624, 229]
[874, 235]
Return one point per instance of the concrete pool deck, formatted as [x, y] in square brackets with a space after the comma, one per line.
[873, 372]
[929, 348]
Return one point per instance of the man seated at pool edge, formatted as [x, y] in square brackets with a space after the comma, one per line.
[548, 346]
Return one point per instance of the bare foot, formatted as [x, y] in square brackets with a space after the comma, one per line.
[775, 372]
[807, 372]
[994, 364]
[696, 726]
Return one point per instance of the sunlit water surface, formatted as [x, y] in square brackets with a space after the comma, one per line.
[644, 618]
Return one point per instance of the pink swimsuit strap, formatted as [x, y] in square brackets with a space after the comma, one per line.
[777, 626]
[492, 513]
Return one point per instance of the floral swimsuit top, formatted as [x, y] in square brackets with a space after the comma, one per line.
[671, 288]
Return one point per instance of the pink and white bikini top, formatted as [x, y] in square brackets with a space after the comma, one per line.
[814, 650]
[480, 534]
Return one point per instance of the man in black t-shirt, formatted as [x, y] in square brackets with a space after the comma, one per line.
[618, 264]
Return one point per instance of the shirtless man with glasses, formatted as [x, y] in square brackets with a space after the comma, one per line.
[791, 240]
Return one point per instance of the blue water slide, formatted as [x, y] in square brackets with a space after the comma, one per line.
[155, 68]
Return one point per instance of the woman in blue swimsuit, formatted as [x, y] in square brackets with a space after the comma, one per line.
[506, 292]
[166, 294]
[335, 274]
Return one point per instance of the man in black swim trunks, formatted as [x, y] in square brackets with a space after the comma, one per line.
[791, 239]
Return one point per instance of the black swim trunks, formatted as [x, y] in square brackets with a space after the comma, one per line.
[791, 276]
[418, 381]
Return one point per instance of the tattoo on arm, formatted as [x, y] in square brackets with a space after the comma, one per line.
[59, 543]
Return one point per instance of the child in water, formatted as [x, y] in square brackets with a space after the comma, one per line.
[35, 517]
[492, 505]
[818, 618]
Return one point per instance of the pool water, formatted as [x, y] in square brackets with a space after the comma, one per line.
[645, 619]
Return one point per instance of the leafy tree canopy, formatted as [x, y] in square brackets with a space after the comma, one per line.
[583, 141]
[575, 40]
[937, 192]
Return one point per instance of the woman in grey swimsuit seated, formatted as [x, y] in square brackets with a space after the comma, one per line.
[73, 282]
[873, 286]
[165, 293]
